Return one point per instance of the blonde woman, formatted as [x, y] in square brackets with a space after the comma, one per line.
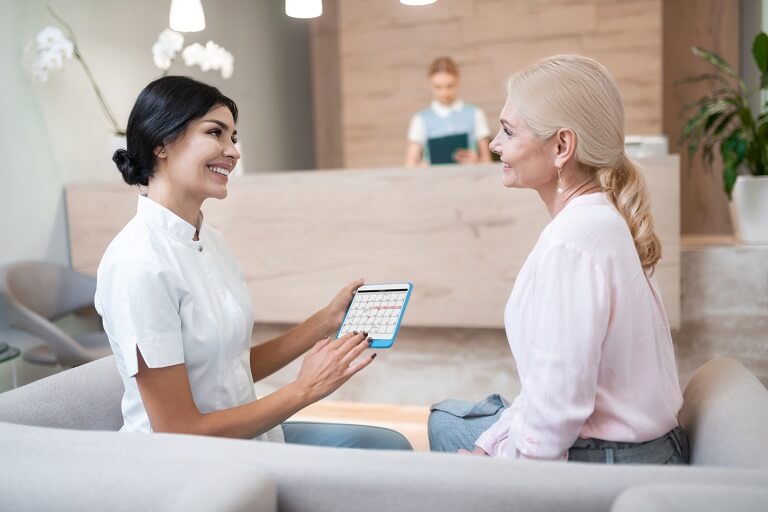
[585, 320]
[447, 115]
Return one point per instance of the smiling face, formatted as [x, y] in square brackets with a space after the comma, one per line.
[197, 163]
[528, 161]
[444, 87]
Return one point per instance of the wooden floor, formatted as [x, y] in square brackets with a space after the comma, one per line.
[411, 421]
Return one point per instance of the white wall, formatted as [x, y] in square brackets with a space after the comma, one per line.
[31, 200]
[764, 19]
[56, 134]
[765, 15]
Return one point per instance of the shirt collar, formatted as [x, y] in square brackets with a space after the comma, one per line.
[446, 110]
[595, 198]
[160, 216]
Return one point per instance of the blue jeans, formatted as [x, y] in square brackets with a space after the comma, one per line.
[455, 424]
[339, 435]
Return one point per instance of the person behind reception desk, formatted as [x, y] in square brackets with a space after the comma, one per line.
[585, 320]
[175, 305]
[447, 116]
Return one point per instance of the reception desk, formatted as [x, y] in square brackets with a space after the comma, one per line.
[455, 232]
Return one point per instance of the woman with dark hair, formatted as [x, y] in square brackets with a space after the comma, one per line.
[175, 305]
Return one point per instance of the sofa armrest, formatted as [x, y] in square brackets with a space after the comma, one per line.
[68, 470]
[87, 397]
[725, 413]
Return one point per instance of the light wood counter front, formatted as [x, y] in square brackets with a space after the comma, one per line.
[456, 233]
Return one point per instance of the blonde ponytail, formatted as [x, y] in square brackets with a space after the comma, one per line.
[575, 92]
[626, 189]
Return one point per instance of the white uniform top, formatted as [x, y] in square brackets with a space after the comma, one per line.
[417, 131]
[178, 301]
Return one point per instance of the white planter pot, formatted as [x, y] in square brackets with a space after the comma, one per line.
[749, 209]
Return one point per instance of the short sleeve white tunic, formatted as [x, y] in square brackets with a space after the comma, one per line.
[177, 301]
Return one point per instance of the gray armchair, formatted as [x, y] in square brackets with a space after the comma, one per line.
[37, 293]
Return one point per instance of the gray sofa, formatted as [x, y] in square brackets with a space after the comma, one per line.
[60, 451]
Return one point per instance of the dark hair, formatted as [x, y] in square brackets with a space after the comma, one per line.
[162, 112]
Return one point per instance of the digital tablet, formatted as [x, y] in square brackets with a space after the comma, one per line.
[378, 310]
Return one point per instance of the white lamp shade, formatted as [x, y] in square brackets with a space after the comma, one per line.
[304, 8]
[187, 16]
[417, 2]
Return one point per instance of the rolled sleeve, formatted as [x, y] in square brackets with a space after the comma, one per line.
[492, 440]
[140, 308]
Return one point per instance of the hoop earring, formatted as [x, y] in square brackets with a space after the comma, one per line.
[559, 180]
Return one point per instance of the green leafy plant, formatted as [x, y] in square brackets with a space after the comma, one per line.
[723, 119]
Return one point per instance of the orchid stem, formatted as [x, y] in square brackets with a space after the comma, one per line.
[79, 56]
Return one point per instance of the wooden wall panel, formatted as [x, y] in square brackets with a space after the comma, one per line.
[385, 48]
[711, 24]
[326, 88]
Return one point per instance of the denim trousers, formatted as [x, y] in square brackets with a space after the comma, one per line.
[344, 436]
[455, 424]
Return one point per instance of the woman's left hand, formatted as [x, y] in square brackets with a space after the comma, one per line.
[338, 306]
[476, 451]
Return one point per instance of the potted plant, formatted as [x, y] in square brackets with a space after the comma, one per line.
[723, 121]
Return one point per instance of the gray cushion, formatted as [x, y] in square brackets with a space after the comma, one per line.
[69, 470]
[333, 479]
[87, 397]
[725, 413]
[683, 498]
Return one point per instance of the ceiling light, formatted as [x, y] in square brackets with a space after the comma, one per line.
[187, 16]
[303, 8]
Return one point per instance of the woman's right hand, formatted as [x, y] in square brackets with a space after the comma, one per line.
[329, 364]
[466, 157]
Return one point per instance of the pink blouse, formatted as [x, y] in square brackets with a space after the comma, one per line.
[591, 340]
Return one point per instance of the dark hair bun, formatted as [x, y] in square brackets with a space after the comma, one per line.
[125, 165]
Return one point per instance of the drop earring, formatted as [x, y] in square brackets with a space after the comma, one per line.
[559, 180]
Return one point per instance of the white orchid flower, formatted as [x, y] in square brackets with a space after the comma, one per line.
[47, 52]
[192, 54]
[210, 56]
[168, 44]
[227, 65]
[53, 39]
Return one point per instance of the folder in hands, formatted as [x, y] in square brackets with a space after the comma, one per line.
[442, 149]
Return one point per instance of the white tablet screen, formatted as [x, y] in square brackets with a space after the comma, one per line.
[375, 311]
